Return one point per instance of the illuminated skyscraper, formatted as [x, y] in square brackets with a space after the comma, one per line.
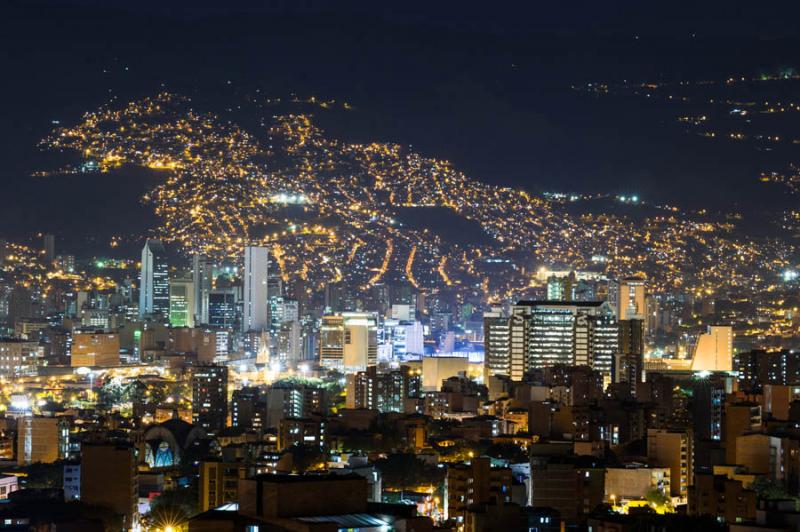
[222, 307]
[181, 302]
[256, 293]
[539, 334]
[561, 288]
[154, 282]
[496, 343]
[210, 397]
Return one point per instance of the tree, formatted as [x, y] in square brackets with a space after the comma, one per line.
[655, 497]
[767, 489]
[404, 471]
[305, 458]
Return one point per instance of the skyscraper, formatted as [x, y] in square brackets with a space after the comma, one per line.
[154, 282]
[49, 246]
[202, 275]
[181, 302]
[629, 361]
[578, 333]
[539, 334]
[256, 293]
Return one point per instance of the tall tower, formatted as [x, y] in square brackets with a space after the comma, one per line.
[256, 293]
[202, 275]
[49, 246]
[210, 397]
[154, 282]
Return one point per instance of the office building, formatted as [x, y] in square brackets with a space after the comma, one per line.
[18, 357]
[154, 281]
[90, 349]
[181, 302]
[496, 342]
[222, 308]
[572, 333]
[349, 341]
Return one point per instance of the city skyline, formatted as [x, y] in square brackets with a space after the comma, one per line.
[333, 266]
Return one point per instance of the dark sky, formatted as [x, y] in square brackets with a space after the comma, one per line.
[485, 85]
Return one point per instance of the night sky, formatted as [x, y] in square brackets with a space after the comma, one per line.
[484, 85]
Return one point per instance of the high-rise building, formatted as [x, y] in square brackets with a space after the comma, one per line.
[65, 263]
[758, 368]
[628, 299]
[349, 341]
[202, 275]
[706, 406]
[539, 334]
[110, 479]
[154, 282]
[561, 288]
[576, 333]
[740, 419]
[210, 397]
[248, 410]
[629, 360]
[288, 346]
[476, 482]
[385, 391]
[41, 439]
[496, 342]
[293, 400]
[673, 449]
[49, 248]
[181, 302]
[222, 308]
[256, 291]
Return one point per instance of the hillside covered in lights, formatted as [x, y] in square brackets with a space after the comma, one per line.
[334, 211]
